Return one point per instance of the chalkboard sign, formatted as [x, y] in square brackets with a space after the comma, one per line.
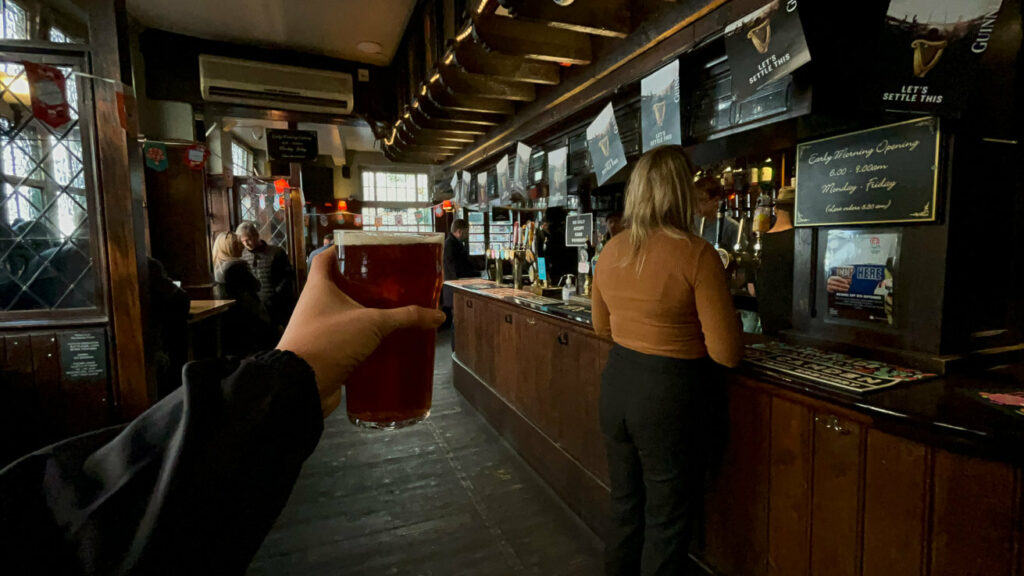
[882, 175]
[295, 145]
[578, 229]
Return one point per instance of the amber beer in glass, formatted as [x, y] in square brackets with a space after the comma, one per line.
[393, 387]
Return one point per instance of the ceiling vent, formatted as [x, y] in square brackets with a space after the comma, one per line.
[273, 86]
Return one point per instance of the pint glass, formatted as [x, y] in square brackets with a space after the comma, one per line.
[393, 387]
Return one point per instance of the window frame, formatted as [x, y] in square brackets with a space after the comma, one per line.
[77, 58]
[371, 206]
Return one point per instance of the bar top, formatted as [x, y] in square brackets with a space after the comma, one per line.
[948, 410]
[202, 309]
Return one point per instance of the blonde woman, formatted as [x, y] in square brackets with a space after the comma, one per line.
[660, 292]
[247, 326]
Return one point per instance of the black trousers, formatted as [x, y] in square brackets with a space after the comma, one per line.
[653, 414]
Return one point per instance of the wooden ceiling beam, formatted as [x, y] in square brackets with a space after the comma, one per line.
[597, 17]
[426, 135]
[400, 157]
[473, 58]
[454, 127]
[465, 84]
[532, 40]
[433, 112]
[448, 101]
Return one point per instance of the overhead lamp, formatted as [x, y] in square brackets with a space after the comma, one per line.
[423, 91]
[343, 206]
[465, 33]
[435, 77]
[449, 58]
[369, 47]
[480, 8]
[281, 185]
[415, 104]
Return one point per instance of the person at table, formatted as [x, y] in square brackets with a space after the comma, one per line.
[774, 283]
[328, 241]
[661, 294]
[194, 484]
[269, 264]
[246, 326]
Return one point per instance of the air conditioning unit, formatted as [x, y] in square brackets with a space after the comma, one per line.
[273, 86]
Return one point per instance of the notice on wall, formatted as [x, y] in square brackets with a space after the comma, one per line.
[860, 274]
[293, 145]
[504, 182]
[521, 172]
[83, 354]
[578, 229]
[882, 175]
[558, 172]
[929, 52]
[765, 45]
[606, 152]
[659, 108]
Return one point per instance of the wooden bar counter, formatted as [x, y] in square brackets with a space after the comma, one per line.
[920, 479]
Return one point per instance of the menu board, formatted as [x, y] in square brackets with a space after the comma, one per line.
[300, 145]
[882, 175]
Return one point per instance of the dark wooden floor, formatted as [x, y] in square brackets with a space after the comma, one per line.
[443, 498]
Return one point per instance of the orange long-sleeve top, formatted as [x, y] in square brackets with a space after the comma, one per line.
[678, 305]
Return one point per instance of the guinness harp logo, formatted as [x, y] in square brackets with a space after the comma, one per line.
[606, 145]
[659, 112]
[761, 36]
[927, 54]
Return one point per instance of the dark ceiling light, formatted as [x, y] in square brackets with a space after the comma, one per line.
[563, 2]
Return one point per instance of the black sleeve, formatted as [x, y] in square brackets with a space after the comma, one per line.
[282, 273]
[192, 486]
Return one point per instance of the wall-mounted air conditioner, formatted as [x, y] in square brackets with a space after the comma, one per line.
[273, 86]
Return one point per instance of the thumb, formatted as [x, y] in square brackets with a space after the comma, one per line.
[409, 317]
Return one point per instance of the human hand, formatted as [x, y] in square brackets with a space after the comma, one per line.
[334, 334]
[838, 284]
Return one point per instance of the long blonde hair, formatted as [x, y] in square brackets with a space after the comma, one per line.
[660, 196]
[226, 247]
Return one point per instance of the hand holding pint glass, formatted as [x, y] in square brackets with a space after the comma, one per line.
[334, 334]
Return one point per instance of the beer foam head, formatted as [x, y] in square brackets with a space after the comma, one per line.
[361, 238]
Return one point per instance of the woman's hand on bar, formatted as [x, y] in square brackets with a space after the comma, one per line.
[334, 334]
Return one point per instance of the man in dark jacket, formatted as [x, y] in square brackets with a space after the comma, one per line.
[269, 264]
[193, 485]
[456, 263]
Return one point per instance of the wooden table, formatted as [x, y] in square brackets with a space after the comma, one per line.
[200, 311]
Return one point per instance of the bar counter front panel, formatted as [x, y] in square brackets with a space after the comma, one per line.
[919, 479]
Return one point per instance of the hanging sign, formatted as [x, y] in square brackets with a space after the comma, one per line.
[294, 145]
[438, 211]
[467, 179]
[481, 188]
[195, 156]
[521, 172]
[659, 108]
[928, 55]
[882, 175]
[263, 201]
[398, 219]
[419, 216]
[48, 89]
[578, 229]
[860, 274]
[558, 163]
[606, 153]
[765, 45]
[358, 220]
[323, 220]
[455, 188]
[504, 183]
[156, 156]
[279, 202]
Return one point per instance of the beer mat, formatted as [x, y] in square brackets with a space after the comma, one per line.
[1008, 401]
[828, 368]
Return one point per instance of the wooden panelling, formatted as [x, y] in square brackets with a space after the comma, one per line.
[466, 327]
[506, 380]
[738, 491]
[972, 519]
[896, 486]
[835, 505]
[789, 516]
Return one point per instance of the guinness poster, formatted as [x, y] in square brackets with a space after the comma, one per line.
[481, 189]
[467, 180]
[929, 52]
[521, 174]
[765, 45]
[659, 108]
[605, 147]
[558, 164]
[504, 183]
[456, 198]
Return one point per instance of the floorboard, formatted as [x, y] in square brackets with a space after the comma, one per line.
[446, 497]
